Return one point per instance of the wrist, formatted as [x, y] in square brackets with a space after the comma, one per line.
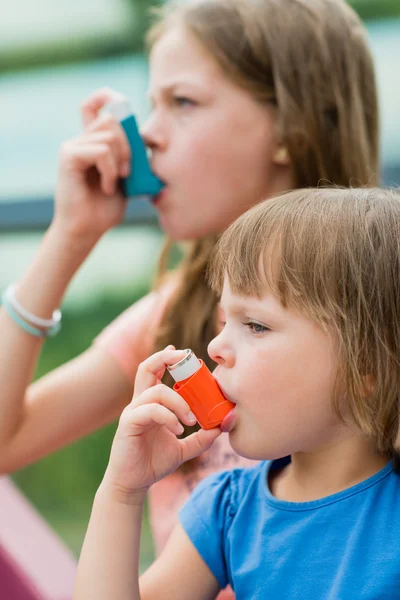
[73, 240]
[111, 492]
[42, 287]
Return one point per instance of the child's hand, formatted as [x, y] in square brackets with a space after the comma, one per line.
[93, 104]
[88, 201]
[146, 447]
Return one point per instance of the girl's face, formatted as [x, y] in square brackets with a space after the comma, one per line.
[279, 368]
[212, 143]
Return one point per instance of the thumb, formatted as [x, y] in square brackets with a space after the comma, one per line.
[198, 442]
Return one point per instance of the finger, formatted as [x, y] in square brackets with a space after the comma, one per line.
[100, 156]
[91, 106]
[116, 135]
[106, 165]
[163, 395]
[197, 443]
[152, 369]
[144, 417]
[115, 140]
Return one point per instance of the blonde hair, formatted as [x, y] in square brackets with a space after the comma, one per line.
[311, 59]
[334, 256]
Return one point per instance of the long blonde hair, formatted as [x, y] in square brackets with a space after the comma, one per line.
[334, 256]
[311, 59]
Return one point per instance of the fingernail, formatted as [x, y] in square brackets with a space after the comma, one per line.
[191, 416]
[170, 347]
[180, 428]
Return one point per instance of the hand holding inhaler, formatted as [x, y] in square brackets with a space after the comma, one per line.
[147, 446]
[141, 180]
[195, 383]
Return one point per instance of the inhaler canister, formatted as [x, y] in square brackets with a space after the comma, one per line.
[196, 385]
[141, 180]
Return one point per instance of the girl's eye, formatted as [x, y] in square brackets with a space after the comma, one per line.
[183, 101]
[256, 328]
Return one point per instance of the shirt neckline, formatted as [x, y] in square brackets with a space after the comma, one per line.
[315, 504]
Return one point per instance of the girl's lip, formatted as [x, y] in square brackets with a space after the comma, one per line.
[228, 421]
[157, 199]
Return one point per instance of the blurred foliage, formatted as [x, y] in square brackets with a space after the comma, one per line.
[67, 52]
[142, 14]
[376, 9]
[93, 47]
[367, 9]
[62, 486]
[90, 47]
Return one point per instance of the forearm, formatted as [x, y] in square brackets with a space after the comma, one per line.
[109, 562]
[65, 405]
[40, 291]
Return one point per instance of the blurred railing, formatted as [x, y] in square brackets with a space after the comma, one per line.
[34, 214]
[391, 176]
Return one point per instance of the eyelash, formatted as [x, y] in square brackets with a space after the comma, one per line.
[183, 101]
[253, 328]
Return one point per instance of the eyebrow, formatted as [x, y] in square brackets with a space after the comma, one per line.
[171, 87]
[237, 307]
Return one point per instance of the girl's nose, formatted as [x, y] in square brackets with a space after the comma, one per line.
[221, 351]
[152, 134]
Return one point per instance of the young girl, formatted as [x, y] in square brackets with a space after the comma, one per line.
[249, 99]
[310, 355]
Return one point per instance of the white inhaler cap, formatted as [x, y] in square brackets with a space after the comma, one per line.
[120, 109]
[186, 367]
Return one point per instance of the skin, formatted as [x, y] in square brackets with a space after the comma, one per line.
[217, 150]
[278, 367]
[272, 361]
[206, 136]
[202, 125]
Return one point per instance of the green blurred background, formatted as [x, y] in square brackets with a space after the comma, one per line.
[62, 486]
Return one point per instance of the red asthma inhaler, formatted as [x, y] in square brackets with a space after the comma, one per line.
[196, 385]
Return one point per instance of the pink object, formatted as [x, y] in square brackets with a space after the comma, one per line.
[34, 563]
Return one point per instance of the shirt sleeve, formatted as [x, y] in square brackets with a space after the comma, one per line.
[206, 518]
[130, 337]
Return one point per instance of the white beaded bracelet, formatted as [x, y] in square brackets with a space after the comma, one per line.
[29, 317]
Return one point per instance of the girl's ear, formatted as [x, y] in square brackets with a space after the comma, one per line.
[281, 156]
[368, 386]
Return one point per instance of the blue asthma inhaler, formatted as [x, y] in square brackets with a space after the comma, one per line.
[141, 181]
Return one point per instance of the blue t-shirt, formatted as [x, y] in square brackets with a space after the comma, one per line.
[342, 547]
